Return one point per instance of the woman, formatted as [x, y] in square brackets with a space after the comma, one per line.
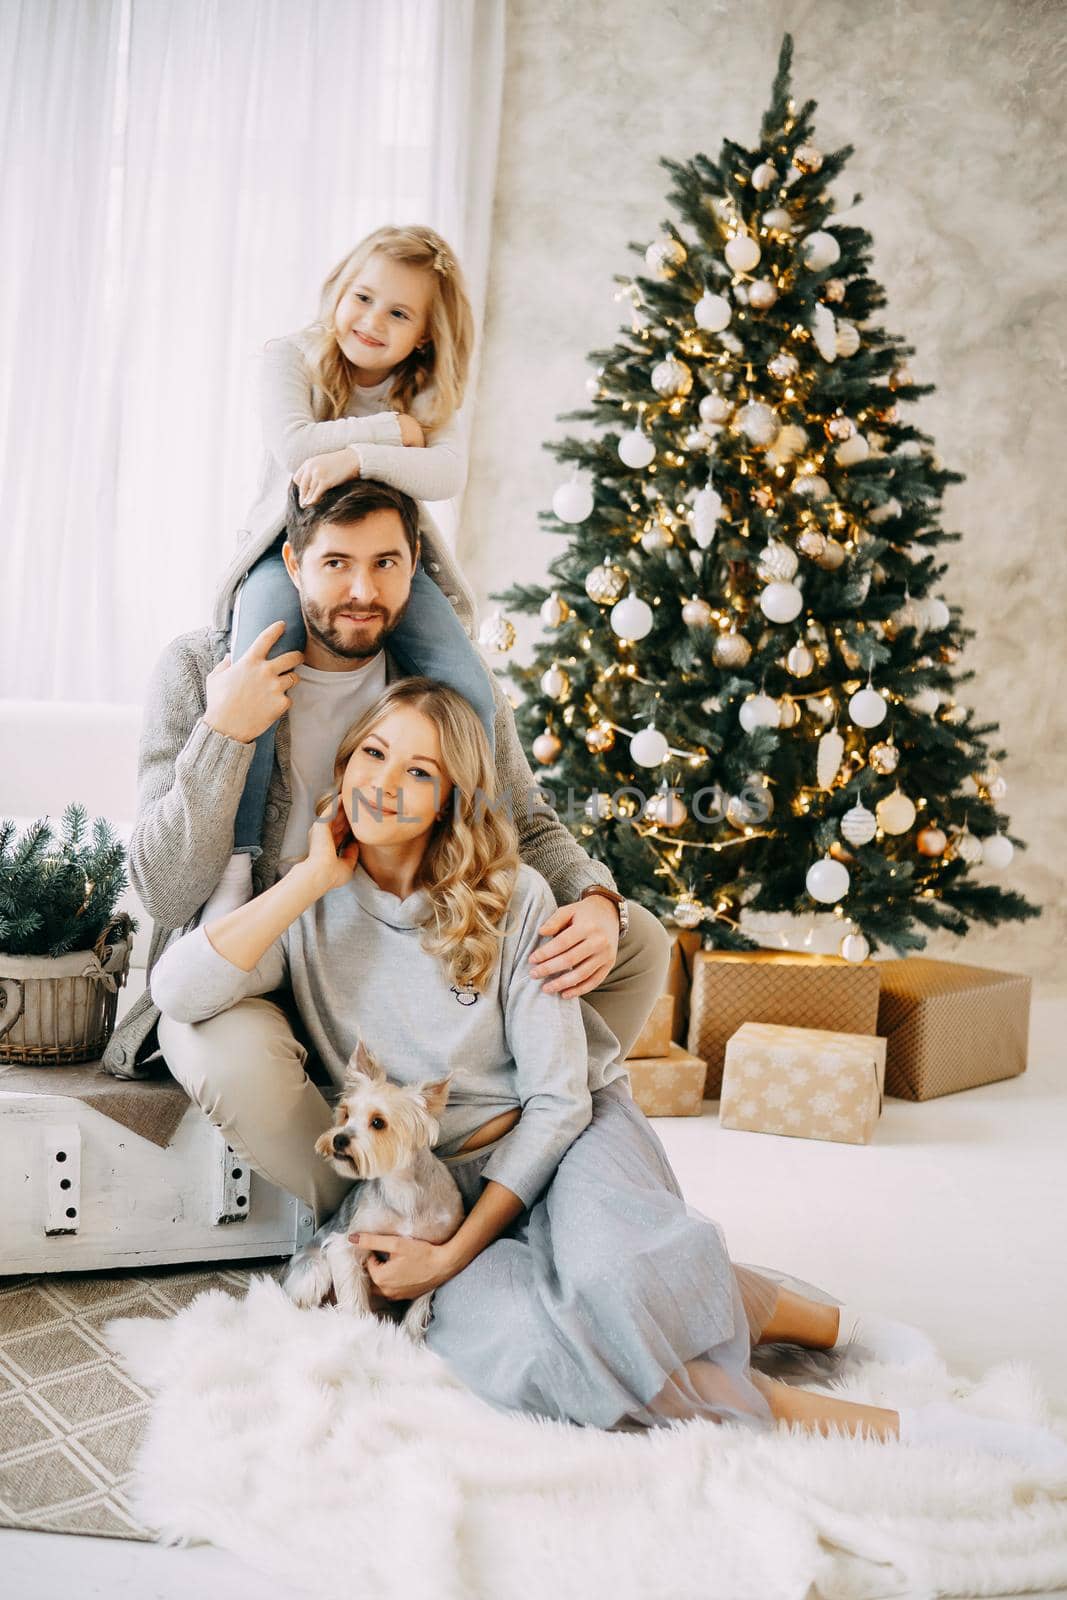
[580, 1285]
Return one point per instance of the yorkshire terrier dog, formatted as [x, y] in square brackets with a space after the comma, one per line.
[382, 1134]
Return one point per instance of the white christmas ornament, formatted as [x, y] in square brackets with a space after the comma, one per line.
[827, 880]
[555, 683]
[765, 176]
[664, 256]
[649, 747]
[820, 250]
[892, 508]
[851, 451]
[896, 813]
[554, 611]
[759, 711]
[707, 507]
[997, 851]
[592, 386]
[666, 809]
[777, 220]
[848, 338]
[938, 615]
[828, 758]
[546, 747]
[636, 449]
[631, 618]
[925, 701]
[968, 848]
[859, 825]
[777, 562]
[497, 633]
[854, 947]
[572, 502]
[712, 312]
[696, 613]
[742, 252]
[671, 377]
[789, 443]
[598, 807]
[824, 331]
[758, 422]
[781, 602]
[714, 408]
[867, 708]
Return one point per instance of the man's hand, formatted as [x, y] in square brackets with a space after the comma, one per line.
[320, 473]
[414, 1266]
[246, 697]
[582, 950]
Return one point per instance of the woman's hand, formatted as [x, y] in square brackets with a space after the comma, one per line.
[332, 852]
[320, 473]
[414, 1266]
[410, 431]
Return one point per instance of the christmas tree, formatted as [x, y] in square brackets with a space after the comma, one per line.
[746, 693]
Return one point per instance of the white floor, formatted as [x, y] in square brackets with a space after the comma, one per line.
[951, 1219]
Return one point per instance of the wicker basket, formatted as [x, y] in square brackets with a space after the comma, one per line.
[61, 1009]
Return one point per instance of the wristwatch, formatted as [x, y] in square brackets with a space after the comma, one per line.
[618, 900]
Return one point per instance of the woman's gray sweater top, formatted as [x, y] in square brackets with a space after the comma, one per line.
[357, 969]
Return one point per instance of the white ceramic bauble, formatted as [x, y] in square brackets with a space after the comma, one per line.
[851, 451]
[827, 880]
[497, 633]
[742, 252]
[700, 438]
[666, 809]
[997, 787]
[778, 220]
[824, 331]
[763, 294]
[854, 947]
[828, 758]
[938, 615]
[790, 441]
[867, 708]
[968, 848]
[925, 701]
[811, 486]
[820, 250]
[592, 386]
[731, 650]
[712, 312]
[997, 851]
[781, 602]
[896, 813]
[758, 422]
[654, 538]
[859, 825]
[696, 613]
[800, 661]
[714, 408]
[891, 508]
[631, 618]
[554, 611]
[664, 256]
[931, 841]
[572, 502]
[688, 912]
[546, 747]
[758, 711]
[649, 747]
[848, 338]
[555, 683]
[636, 449]
[765, 176]
[707, 508]
[777, 562]
[671, 377]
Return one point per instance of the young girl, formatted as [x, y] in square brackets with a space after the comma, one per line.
[371, 389]
[580, 1285]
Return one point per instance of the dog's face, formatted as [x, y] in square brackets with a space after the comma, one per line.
[378, 1125]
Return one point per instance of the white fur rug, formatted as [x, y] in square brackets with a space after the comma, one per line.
[334, 1454]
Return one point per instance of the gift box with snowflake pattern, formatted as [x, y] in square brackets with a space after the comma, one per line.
[809, 1083]
[670, 1085]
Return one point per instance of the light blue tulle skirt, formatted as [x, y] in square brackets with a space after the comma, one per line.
[610, 1302]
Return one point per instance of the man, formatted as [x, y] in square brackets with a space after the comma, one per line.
[352, 555]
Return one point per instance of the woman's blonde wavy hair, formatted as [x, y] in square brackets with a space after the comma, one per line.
[469, 867]
[430, 383]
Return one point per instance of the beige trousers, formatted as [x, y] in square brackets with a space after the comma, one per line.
[247, 1069]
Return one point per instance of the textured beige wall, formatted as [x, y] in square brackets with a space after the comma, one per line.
[955, 110]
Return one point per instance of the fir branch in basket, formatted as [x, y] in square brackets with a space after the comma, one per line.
[59, 895]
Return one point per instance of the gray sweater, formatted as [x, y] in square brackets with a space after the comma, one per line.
[355, 963]
[190, 781]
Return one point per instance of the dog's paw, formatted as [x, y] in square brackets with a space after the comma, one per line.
[308, 1279]
[417, 1318]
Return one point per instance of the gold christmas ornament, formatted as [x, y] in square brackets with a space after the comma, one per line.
[900, 379]
[665, 256]
[599, 738]
[931, 841]
[831, 556]
[896, 813]
[671, 377]
[696, 613]
[884, 757]
[666, 809]
[800, 661]
[852, 658]
[555, 683]
[788, 713]
[497, 633]
[546, 747]
[764, 497]
[555, 611]
[731, 649]
[840, 428]
[784, 365]
[833, 290]
[605, 584]
[839, 853]
[806, 158]
[688, 912]
[811, 543]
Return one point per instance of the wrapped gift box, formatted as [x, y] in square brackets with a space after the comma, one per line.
[810, 1083]
[684, 947]
[655, 1037]
[779, 986]
[671, 1085]
[950, 1027]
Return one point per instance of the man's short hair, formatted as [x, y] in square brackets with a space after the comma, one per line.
[349, 502]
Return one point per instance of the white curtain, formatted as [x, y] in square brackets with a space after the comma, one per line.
[176, 179]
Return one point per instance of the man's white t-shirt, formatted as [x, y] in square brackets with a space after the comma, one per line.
[324, 707]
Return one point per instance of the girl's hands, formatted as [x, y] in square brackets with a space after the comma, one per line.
[320, 473]
[413, 1267]
[332, 851]
[410, 431]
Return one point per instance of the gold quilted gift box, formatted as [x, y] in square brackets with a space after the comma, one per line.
[731, 987]
[809, 1083]
[950, 1027]
[670, 1085]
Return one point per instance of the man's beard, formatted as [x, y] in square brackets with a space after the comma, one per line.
[357, 643]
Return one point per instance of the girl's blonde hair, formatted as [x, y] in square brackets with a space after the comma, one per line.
[469, 867]
[430, 383]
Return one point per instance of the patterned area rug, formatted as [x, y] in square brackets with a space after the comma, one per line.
[70, 1418]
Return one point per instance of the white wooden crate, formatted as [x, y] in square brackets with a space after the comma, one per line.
[79, 1191]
